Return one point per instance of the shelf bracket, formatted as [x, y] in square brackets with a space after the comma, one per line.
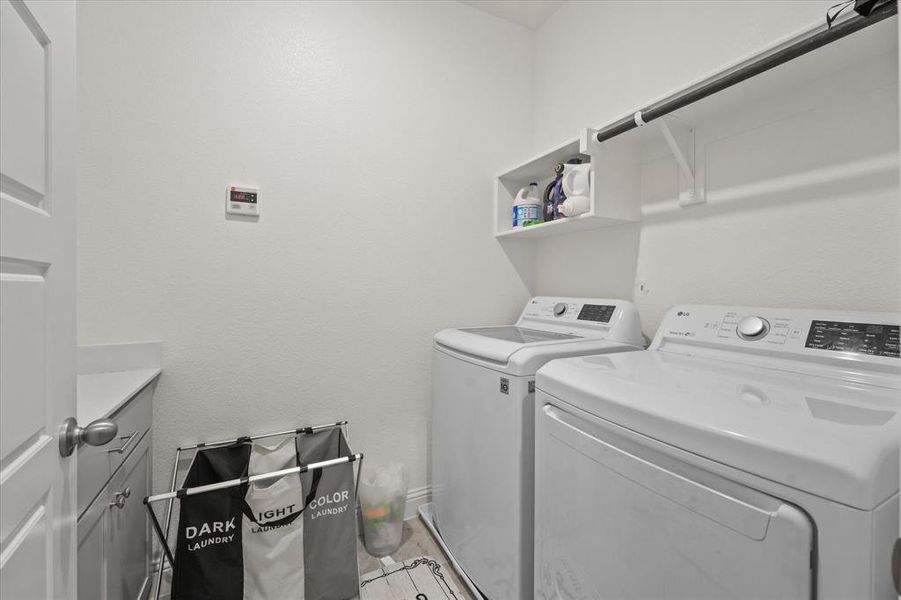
[588, 138]
[689, 194]
[673, 129]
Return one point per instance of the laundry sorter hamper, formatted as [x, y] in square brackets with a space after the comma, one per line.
[262, 517]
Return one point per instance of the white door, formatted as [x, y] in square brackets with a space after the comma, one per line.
[37, 298]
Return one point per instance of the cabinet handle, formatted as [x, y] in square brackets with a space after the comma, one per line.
[120, 497]
[128, 440]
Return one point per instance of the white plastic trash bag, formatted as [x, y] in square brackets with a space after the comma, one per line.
[383, 497]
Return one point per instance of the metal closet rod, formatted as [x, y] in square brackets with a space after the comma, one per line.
[808, 43]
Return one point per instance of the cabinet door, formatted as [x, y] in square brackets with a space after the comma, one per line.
[128, 567]
[93, 528]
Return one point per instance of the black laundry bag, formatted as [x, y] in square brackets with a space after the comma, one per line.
[209, 557]
[212, 560]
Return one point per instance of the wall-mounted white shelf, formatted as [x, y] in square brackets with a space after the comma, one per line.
[613, 198]
[851, 65]
[568, 225]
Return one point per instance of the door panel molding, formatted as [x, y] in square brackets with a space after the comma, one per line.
[37, 297]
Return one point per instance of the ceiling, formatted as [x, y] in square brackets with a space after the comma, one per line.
[529, 13]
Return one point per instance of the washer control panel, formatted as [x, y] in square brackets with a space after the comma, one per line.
[612, 320]
[599, 313]
[569, 309]
[788, 330]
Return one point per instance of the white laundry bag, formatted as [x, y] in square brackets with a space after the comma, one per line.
[273, 542]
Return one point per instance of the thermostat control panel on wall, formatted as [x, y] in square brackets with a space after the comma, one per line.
[242, 201]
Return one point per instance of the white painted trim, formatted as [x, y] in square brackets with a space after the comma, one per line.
[416, 498]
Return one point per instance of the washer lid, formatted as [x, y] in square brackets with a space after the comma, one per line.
[519, 335]
[497, 344]
[835, 439]
[493, 347]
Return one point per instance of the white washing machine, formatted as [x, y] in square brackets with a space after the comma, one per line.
[749, 453]
[483, 427]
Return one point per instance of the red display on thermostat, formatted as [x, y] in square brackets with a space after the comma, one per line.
[243, 197]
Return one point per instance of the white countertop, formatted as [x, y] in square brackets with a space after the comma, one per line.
[102, 394]
[110, 375]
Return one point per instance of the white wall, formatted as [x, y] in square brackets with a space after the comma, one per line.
[373, 131]
[803, 207]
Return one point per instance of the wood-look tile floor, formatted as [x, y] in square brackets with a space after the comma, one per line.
[416, 541]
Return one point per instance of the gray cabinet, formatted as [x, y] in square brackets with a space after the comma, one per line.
[113, 528]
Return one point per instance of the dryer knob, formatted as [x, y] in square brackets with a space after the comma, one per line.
[752, 328]
[559, 309]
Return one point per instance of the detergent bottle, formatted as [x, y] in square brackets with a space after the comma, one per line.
[527, 207]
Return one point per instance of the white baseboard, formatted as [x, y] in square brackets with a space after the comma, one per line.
[415, 499]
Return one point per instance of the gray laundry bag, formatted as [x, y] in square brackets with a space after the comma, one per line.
[329, 521]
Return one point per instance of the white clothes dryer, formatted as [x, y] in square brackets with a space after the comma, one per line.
[749, 453]
[483, 411]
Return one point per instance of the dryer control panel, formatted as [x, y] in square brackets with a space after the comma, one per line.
[760, 331]
[877, 339]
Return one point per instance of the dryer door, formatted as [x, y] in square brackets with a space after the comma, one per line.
[617, 519]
